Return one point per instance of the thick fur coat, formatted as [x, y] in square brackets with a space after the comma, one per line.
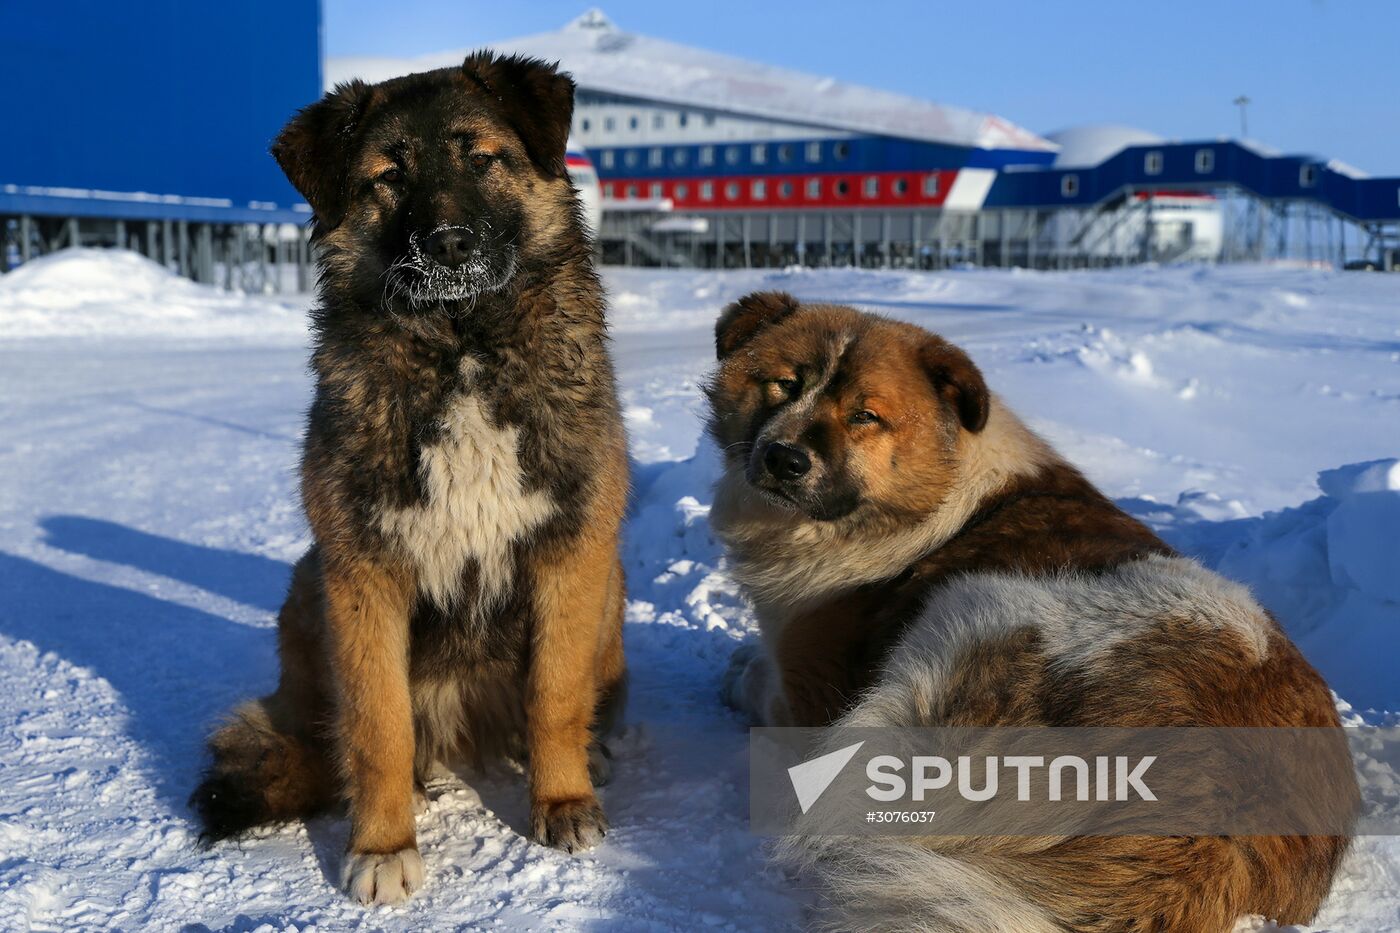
[464, 475]
[917, 557]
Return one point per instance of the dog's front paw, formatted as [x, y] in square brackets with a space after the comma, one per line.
[571, 825]
[382, 878]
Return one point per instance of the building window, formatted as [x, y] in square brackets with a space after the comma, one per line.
[609, 124]
[629, 158]
[631, 191]
[731, 155]
[1205, 161]
[843, 188]
[785, 190]
[731, 191]
[707, 191]
[658, 120]
[709, 119]
[900, 186]
[842, 151]
[682, 191]
[607, 158]
[1152, 163]
[655, 189]
[657, 157]
[1069, 186]
[872, 186]
[814, 189]
[930, 186]
[759, 153]
[633, 122]
[759, 190]
[587, 124]
[680, 157]
[1307, 176]
[707, 155]
[785, 153]
[682, 119]
[608, 190]
[814, 152]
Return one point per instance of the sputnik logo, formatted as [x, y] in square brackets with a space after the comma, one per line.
[811, 778]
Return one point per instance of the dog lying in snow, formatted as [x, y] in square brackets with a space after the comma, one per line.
[902, 535]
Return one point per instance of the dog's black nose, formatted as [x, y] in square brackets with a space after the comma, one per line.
[450, 246]
[785, 461]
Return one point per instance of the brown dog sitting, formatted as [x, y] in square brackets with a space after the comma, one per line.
[917, 557]
[464, 474]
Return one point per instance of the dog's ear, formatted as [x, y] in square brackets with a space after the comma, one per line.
[958, 380]
[537, 100]
[314, 149]
[741, 321]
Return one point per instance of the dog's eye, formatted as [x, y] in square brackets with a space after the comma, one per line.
[391, 177]
[864, 416]
[481, 161]
[785, 386]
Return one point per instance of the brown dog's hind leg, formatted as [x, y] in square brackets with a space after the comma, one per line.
[271, 760]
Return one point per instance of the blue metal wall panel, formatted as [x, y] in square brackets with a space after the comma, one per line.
[1370, 199]
[165, 97]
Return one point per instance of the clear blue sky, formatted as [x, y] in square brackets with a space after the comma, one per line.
[1324, 75]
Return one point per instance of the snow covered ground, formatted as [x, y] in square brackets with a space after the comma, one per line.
[148, 441]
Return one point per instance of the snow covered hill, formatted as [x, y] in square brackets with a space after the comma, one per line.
[148, 442]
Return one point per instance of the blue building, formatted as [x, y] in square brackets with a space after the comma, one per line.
[708, 159]
[147, 125]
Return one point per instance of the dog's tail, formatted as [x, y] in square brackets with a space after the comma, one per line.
[261, 774]
[870, 884]
[271, 759]
[1085, 884]
[901, 886]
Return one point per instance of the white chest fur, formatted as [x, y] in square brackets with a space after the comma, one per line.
[476, 506]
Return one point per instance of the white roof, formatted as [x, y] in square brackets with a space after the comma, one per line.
[603, 58]
[1087, 146]
[1347, 169]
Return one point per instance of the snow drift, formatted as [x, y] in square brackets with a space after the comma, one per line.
[149, 435]
[1329, 569]
[102, 293]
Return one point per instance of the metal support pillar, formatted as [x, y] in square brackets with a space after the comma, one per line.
[206, 253]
